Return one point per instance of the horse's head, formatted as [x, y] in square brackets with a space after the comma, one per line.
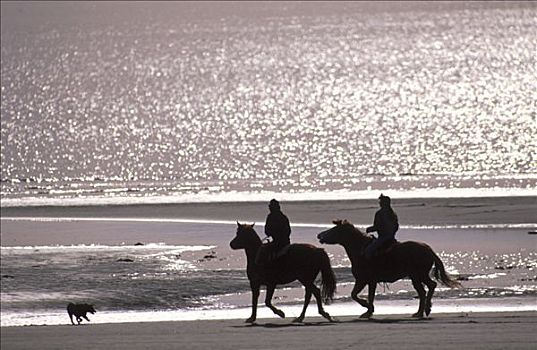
[246, 237]
[89, 308]
[339, 234]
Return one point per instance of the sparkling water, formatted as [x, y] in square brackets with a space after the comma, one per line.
[168, 106]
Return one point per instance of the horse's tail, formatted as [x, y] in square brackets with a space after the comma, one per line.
[441, 275]
[328, 278]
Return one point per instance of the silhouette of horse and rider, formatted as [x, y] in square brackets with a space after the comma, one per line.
[280, 262]
[373, 260]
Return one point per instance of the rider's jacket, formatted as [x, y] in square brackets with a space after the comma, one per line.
[385, 224]
[277, 226]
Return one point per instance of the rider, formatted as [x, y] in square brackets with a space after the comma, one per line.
[386, 225]
[277, 226]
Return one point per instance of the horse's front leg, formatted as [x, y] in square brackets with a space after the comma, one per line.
[370, 299]
[268, 301]
[255, 296]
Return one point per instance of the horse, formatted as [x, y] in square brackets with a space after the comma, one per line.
[403, 259]
[302, 262]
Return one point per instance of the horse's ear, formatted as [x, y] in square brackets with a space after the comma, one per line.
[253, 224]
[239, 225]
[336, 222]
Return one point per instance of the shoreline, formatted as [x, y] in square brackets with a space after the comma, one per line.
[489, 330]
[233, 196]
[411, 211]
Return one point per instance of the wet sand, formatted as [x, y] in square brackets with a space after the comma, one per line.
[417, 211]
[443, 331]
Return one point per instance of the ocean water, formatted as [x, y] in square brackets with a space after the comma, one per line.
[188, 271]
[141, 104]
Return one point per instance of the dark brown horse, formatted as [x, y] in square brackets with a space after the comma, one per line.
[406, 259]
[302, 262]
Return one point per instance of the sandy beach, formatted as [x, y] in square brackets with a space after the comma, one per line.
[443, 331]
[473, 330]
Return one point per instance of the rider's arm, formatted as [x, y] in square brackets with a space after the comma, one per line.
[268, 226]
[376, 224]
[287, 227]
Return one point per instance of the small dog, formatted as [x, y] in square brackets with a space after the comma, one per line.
[79, 310]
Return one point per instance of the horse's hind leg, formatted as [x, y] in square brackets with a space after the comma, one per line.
[268, 301]
[307, 299]
[370, 299]
[318, 297]
[431, 285]
[421, 293]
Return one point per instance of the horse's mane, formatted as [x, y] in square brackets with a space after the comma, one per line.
[250, 228]
[345, 222]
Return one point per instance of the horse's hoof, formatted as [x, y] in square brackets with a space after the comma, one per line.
[280, 313]
[366, 315]
[417, 315]
[428, 309]
[298, 320]
[327, 316]
[250, 320]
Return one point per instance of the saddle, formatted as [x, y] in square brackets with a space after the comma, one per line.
[384, 249]
[268, 254]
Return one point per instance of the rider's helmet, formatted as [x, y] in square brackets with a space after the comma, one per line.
[384, 201]
[274, 205]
